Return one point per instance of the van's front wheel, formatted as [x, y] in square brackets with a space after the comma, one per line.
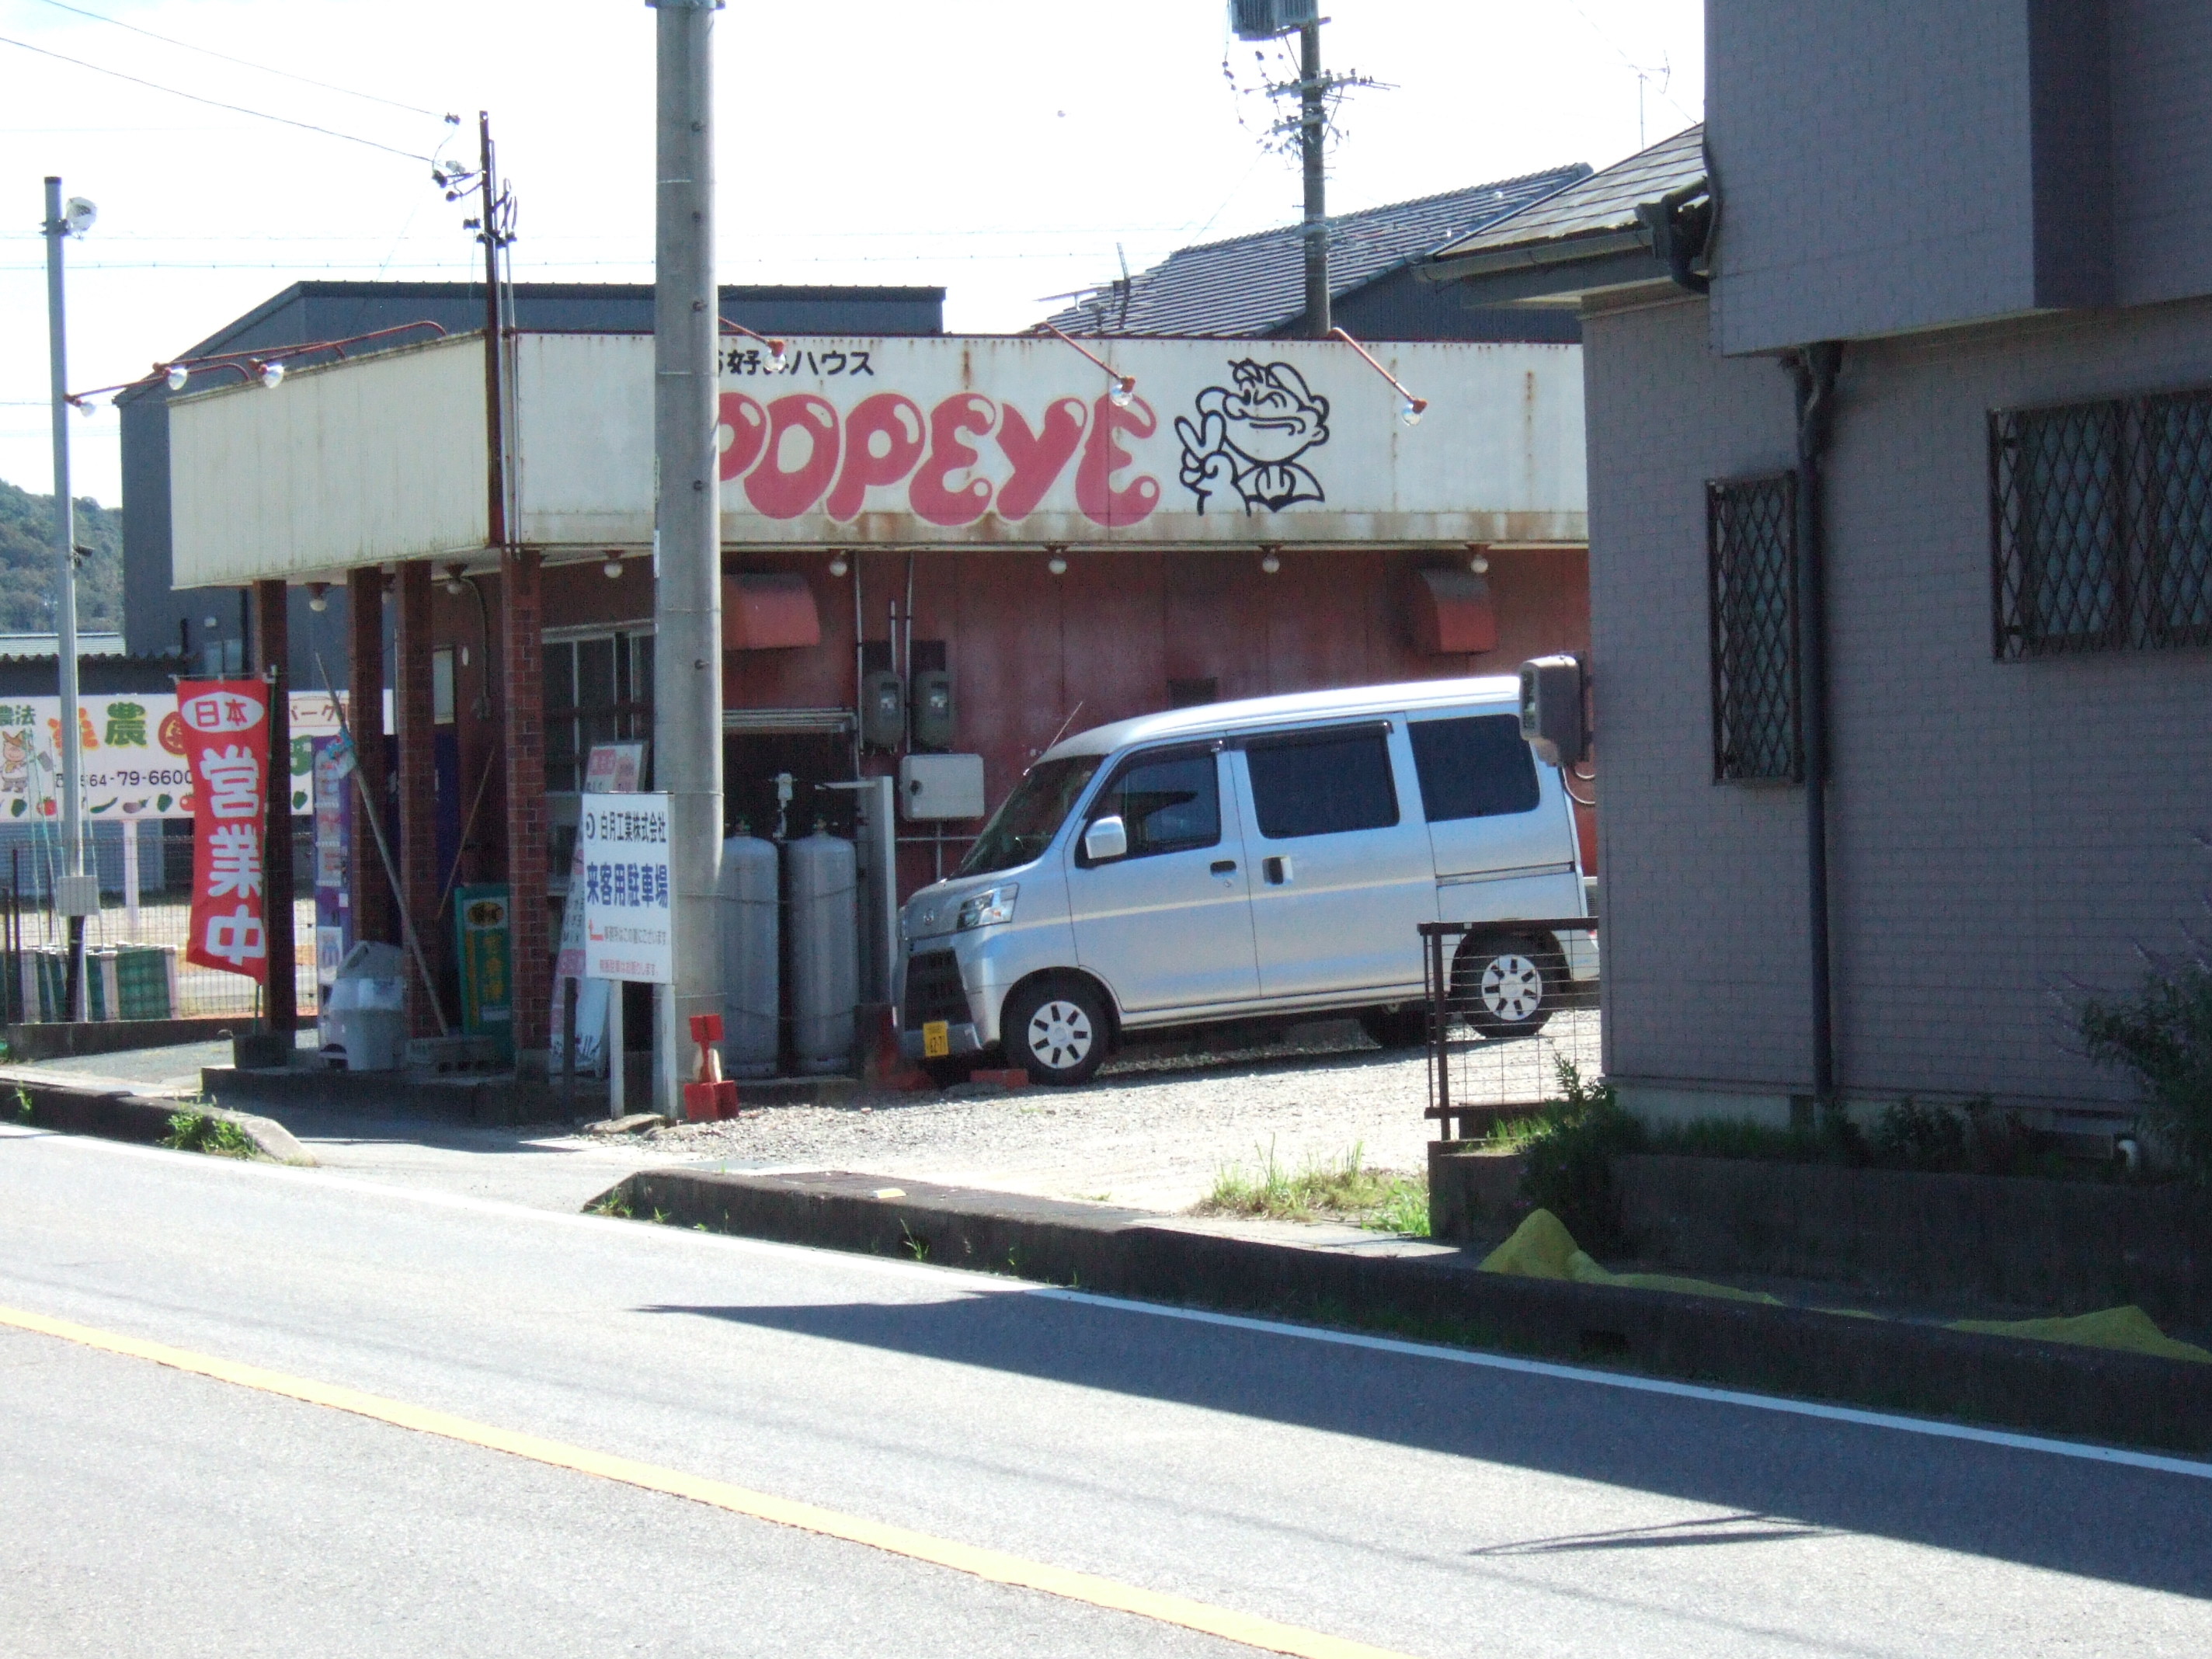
[1506, 987]
[1056, 1029]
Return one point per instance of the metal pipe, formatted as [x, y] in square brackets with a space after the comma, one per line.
[687, 526]
[1814, 373]
[906, 664]
[57, 230]
[1313, 118]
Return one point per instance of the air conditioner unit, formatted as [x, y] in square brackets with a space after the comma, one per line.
[1263, 19]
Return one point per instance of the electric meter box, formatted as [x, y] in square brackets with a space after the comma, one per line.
[934, 788]
[932, 709]
[883, 709]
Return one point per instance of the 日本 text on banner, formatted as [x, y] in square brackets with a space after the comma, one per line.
[225, 733]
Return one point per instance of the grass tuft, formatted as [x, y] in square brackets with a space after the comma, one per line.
[1343, 1189]
[218, 1137]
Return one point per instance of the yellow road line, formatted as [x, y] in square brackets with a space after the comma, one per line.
[1245, 1629]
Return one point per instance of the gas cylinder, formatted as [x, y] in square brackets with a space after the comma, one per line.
[820, 872]
[751, 968]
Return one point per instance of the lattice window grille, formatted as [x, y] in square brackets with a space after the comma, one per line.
[2101, 522]
[1751, 531]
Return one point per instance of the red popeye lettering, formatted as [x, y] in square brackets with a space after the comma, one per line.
[950, 424]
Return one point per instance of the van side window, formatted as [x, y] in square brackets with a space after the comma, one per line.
[1321, 783]
[1477, 767]
[1167, 803]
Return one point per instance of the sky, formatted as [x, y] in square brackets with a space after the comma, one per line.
[1009, 153]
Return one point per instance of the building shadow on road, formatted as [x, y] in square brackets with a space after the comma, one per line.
[1795, 1476]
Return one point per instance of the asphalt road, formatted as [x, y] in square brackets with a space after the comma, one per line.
[1400, 1499]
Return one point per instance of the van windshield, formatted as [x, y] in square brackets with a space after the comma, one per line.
[1028, 820]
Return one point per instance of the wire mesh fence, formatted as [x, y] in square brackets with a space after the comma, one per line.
[134, 950]
[1507, 1003]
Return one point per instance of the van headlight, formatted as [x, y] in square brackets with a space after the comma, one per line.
[986, 908]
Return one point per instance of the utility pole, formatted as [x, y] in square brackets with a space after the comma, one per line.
[687, 603]
[69, 894]
[488, 233]
[1313, 118]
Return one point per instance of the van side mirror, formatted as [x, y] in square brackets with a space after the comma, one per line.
[1552, 709]
[1106, 839]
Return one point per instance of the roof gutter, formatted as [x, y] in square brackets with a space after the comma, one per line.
[1535, 255]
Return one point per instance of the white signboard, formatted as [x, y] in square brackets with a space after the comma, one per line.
[131, 754]
[628, 930]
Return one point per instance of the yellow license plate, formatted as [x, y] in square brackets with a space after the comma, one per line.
[937, 1038]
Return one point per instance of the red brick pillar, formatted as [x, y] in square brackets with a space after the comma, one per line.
[368, 889]
[272, 646]
[522, 661]
[417, 851]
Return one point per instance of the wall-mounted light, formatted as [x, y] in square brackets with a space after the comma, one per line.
[177, 376]
[838, 566]
[1410, 408]
[779, 351]
[1479, 564]
[1271, 560]
[319, 596]
[82, 405]
[612, 568]
[1124, 389]
[454, 584]
[1057, 563]
[271, 375]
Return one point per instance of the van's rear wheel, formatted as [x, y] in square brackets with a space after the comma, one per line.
[1506, 988]
[1057, 1030]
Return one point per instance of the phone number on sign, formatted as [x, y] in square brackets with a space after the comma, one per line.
[158, 777]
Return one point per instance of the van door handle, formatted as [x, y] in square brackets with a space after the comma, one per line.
[1276, 870]
[1224, 866]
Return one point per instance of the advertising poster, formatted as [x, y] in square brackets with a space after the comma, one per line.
[608, 768]
[333, 807]
[629, 927]
[225, 741]
[487, 981]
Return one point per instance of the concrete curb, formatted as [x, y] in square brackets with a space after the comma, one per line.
[2041, 1387]
[113, 1114]
[71, 1039]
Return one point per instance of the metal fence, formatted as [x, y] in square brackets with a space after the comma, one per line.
[129, 946]
[1507, 1003]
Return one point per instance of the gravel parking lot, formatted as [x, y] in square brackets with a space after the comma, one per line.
[1152, 1132]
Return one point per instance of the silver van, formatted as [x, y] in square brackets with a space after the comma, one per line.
[1261, 859]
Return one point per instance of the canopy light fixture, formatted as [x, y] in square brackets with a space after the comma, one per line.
[456, 581]
[1125, 386]
[1057, 563]
[612, 568]
[1271, 560]
[319, 596]
[838, 566]
[1412, 409]
[779, 351]
[178, 374]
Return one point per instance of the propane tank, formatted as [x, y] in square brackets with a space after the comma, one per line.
[751, 970]
[820, 872]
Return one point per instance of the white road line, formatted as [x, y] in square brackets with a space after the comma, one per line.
[1921, 1426]
[970, 1282]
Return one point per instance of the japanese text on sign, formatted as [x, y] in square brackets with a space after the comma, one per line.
[628, 931]
[224, 736]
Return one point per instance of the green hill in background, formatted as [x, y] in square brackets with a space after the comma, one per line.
[27, 564]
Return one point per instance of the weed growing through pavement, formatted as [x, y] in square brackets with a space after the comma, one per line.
[22, 1103]
[917, 1247]
[615, 1204]
[1344, 1189]
[195, 1132]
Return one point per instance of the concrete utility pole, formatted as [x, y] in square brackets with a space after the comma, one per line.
[687, 605]
[1313, 119]
[68, 892]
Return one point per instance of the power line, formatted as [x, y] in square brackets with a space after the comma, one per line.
[243, 63]
[213, 103]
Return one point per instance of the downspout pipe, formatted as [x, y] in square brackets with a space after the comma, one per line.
[1813, 371]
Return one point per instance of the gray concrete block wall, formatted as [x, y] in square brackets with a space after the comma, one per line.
[1875, 161]
[2001, 832]
[2162, 58]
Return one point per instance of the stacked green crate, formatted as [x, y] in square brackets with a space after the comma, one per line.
[142, 982]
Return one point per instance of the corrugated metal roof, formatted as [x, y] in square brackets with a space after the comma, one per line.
[1251, 285]
[1600, 203]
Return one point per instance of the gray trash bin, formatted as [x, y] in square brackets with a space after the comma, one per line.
[364, 1024]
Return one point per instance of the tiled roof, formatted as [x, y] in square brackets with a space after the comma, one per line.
[1601, 203]
[1251, 285]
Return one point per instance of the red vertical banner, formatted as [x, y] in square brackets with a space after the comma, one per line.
[226, 731]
